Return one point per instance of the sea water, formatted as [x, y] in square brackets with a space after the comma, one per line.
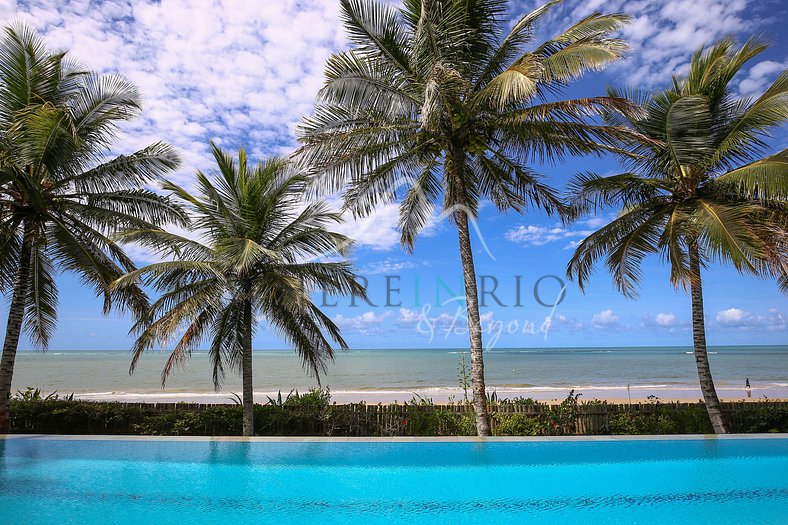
[539, 372]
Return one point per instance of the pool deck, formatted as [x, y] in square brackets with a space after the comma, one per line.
[397, 439]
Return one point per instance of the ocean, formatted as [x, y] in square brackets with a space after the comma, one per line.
[398, 374]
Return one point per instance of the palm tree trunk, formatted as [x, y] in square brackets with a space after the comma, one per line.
[16, 312]
[699, 339]
[472, 306]
[246, 372]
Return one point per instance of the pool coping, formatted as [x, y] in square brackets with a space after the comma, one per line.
[396, 439]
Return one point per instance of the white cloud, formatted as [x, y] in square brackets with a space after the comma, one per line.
[776, 320]
[560, 321]
[533, 235]
[439, 321]
[669, 322]
[669, 319]
[604, 319]
[365, 324]
[664, 34]
[378, 231]
[738, 319]
[227, 70]
[442, 321]
[408, 316]
[759, 77]
[240, 74]
[387, 266]
[732, 316]
[7, 9]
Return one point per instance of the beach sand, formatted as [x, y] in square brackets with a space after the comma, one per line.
[636, 394]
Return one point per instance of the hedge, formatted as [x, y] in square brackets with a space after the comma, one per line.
[313, 414]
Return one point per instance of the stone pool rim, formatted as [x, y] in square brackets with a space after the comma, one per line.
[397, 439]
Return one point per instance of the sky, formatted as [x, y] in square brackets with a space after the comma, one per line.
[243, 73]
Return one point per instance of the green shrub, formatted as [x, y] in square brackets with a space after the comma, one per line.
[431, 423]
[517, 425]
[311, 414]
[630, 423]
[760, 418]
[466, 425]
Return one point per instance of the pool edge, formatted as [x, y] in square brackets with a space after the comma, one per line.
[396, 439]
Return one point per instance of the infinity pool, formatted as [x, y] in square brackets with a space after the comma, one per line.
[46, 480]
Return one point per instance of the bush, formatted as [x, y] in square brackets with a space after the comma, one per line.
[761, 418]
[210, 421]
[311, 414]
[662, 419]
[630, 423]
[517, 425]
[466, 425]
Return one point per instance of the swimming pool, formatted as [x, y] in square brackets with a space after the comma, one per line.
[99, 481]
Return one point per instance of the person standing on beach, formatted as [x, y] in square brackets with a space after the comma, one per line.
[747, 387]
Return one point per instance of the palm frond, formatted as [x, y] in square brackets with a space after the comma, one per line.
[765, 179]
[41, 311]
[639, 226]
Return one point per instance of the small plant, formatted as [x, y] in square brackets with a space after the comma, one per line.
[236, 399]
[519, 401]
[278, 402]
[464, 377]
[561, 419]
[34, 394]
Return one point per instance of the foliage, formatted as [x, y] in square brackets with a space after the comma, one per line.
[315, 398]
[209, 421]
[699, 189]
[631, 423]
[423, 420]
[701, 186]
[34, 394]
[466, 424]
[61, 193]
[297, 414]
[561, 418]
[762, 418]
[312, 414]
[517, 425]
[464, 377]
[441, 104]
[518, 401]
[261, 254]
[690, 420]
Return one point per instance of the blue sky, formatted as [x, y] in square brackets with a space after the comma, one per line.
[240, 74]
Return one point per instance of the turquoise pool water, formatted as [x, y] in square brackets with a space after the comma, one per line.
[61, 481]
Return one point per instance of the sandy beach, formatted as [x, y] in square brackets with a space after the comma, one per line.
[636, 394]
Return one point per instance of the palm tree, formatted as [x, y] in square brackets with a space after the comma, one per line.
[702, 192]
[436, 102]
[257, 257]
[60, 196]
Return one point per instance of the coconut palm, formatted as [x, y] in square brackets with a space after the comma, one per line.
[438, 105]
[261, 253]
[61, 196]
[701, 193]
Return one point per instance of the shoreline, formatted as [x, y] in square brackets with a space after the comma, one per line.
[439, 395]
